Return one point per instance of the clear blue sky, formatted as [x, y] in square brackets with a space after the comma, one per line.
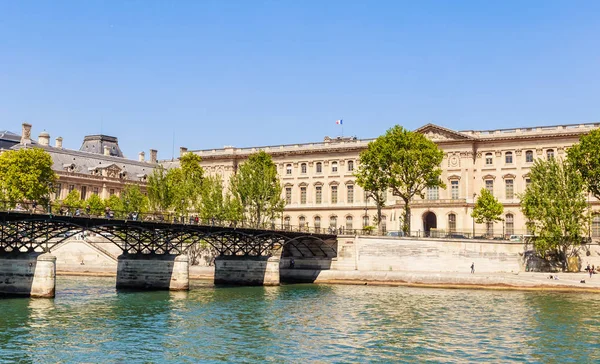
[249, 73]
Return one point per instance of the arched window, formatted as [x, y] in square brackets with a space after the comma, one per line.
[317, 223]
[529, 156]
[319, 167]
[286, 223]
[452, 223]
[350, 166]
[333, 222]
[510, 224]
[288, 169]
[550, 154]
[334, 166]
[508, 158]
[489, 159]
[302, 222]
[303, 168]
[365, 221]
[596, 226]
[348, 224]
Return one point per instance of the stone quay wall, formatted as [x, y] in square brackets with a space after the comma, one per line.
[28, 274]
[148, 271]
[247, 271]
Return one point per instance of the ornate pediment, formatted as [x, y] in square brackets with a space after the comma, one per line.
[440, 134]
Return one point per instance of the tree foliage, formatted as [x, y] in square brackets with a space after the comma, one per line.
[408, 162]
[96, 205]
[133, 200]
[555, 205]
[257, 189]
[585, 157]
[487, 208]
[26, 175]
[73, 200]
[372, 178]
[161, 191]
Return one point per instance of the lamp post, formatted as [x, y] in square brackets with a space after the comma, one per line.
[182, 207]
[49, 206]
[473, 217]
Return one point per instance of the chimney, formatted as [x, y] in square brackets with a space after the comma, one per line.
[59, 142]
[141, 156]
[182, 151]
[26, 134]
[153, 155]
[106, 150]
[44, 139]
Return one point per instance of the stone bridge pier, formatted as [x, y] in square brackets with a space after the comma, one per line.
[28, 274]
[247, 270]
[153, 272]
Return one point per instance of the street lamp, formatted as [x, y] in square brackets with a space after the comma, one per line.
[182, 207]
[473, 236]
[49, 206]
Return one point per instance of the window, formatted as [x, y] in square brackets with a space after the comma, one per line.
[83, 192]
[303, 168]
[350, 166]
[508, 158]
[302, 222]
[111, 191]
[454, 189]
[333, 222]
[318, 194]
[319, 167]
[433, 193]
[350, 194]
[72, 187]
[288, 169]
[317, 223]
[596, 225]
[365, 221]
[550, 154]
[303, 195]
[288, 195]
[510, 188]
[489, 159]
[527, 182]
[529, 156]
[334, 167]
[348, 223]
[510, 224]
[286, 222]
[489, 185]
[95, 191]
[383, 223]
[452, 223]
[58, 190]
[489, 229]
[334, 198]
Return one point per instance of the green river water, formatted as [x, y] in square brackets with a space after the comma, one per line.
[90, 322]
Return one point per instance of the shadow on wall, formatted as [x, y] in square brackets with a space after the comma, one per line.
[246, 270]
[152, 272]
[302, 263]
[533, 262]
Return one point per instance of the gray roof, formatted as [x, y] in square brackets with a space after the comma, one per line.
[96, 144]
[9, 139]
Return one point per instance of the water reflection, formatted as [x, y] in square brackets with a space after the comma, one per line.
[89, 321]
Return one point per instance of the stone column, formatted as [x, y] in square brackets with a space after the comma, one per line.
[247, 270]
[153, 272]
[44, 278]
[180, 277]
[28, 274]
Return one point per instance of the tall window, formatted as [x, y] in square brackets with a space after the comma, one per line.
[550, 154]
[350, 166]
[433, 193]
[383, 223]
[452, 223]
[111, 191]
[95, 190]
[365, 221]
[319, 167]
[510, 224]
[489, 160]
[508, 158]
[510, 188]
[302, 222]
[303, 168]
[489, 229]
[350, 194]
[333, 222]
[348, 223]
[489, 185]
[286, 222]
[303, 195]
[596, 225]
[454, 189]
[58, 190]
[317, 223]
[529, 156]
[334, 167]
[83, 192]
[318, 194]
[72, 187]
[288, 169]
[334, 198]
[288, 195]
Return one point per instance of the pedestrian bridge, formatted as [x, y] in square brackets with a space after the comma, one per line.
[154, 253]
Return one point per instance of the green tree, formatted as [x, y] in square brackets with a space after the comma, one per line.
[73, 200]
[161, 190]
[410, 162]
[555, 205]
[257, 189]
[96, 205]
[487, 208]
[114, 204]
[585, 157]
[192, 175]
[212, 202]
[372, 178]
[133, 200]
[26, 175]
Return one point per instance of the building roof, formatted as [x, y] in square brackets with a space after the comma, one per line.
[9, 139]
[96, 144]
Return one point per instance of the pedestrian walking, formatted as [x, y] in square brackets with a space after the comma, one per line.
[473, 268]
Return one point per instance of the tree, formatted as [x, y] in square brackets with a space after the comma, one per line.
[133, 200]
[26, 175]
[487, 208]
[212, 203]
[555, 205]
[73, 200]
[372, 178]
[186, 182]
[257, 189]
[409, 162]
[96, 204]
[585, 157]
[114, 204]
[161, 192]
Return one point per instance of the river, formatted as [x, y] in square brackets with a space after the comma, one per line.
[89, 321]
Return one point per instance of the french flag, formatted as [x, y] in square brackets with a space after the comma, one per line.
[339, 122]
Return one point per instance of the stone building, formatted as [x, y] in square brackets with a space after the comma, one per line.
[98, 167]
[320, 190]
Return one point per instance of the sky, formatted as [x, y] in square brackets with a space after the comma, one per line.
[205, 74]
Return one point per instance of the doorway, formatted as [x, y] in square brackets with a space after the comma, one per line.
[429, 223]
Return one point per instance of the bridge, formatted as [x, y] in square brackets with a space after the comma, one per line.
[154, 253]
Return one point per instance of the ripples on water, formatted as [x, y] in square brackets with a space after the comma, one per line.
[89, 321]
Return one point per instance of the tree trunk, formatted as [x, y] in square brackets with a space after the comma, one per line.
[379, 219]
[406, 225]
